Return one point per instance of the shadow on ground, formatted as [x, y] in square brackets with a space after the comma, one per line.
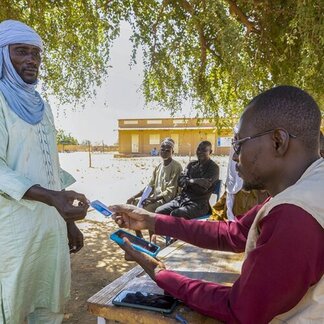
[99, 263]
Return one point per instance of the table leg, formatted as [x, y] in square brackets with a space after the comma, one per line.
[101, 320]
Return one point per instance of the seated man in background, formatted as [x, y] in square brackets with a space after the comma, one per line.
[197, 182]
[154, 152]
[282, 275]
[164, 181]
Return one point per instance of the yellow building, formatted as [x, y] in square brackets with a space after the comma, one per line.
[140, 136]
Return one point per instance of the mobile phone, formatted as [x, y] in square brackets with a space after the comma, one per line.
[138, 243]
[146, 300]
[100, 207]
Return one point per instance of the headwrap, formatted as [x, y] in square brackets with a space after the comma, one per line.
[168, 141]
[22, 97]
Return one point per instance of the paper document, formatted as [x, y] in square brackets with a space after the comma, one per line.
[146, 193]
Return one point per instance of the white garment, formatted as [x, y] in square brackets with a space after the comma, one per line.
[34, 254]
[233, 185]
[43, 316]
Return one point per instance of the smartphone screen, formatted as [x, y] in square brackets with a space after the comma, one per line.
[138, 241]
[145, 300]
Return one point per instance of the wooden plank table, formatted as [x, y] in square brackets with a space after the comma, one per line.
[221, 267]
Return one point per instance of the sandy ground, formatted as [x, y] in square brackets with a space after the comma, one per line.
[112, 181]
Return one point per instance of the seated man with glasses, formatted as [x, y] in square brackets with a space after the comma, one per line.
[164, 181]
[282, 276]
[197, 182]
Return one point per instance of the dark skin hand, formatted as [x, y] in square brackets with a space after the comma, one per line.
[131, 200]
[202, 182]
[150, 265]
[150, 200]
[63, 201]
[131, 217]
[75, 237]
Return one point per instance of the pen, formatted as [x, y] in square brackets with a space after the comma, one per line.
[181, 319]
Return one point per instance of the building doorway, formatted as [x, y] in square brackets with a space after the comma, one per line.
[135, 141]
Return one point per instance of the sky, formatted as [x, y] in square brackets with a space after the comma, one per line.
[98, 122]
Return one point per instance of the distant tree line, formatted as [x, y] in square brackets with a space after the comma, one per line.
[65, 139]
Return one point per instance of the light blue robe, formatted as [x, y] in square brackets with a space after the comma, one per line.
[34, 255]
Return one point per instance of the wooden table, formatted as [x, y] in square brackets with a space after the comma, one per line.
[221, 267]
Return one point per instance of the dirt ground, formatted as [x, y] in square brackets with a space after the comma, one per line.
[99, 263]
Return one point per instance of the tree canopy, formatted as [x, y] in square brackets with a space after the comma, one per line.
[217, 54]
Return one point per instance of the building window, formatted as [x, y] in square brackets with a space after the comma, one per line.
[179, 121]
[130, 122]
[224, 141]
[154, 121]
[154, 139]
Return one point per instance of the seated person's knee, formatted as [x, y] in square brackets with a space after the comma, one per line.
[160, 210]
[179, 213]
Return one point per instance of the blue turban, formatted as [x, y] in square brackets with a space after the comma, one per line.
[21, 97]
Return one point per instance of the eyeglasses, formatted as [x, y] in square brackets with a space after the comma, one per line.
[237, 144]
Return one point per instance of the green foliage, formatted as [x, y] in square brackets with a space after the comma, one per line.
[216, 54]
[62, 138]
[220, 54]
[77, 37]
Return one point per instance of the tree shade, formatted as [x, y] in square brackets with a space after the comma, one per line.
[216, 54]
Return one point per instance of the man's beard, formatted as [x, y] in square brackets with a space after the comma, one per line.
[248, 186]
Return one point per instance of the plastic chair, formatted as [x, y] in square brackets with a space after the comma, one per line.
[217, 188]
[217, 191]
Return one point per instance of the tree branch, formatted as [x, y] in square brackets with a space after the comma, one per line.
[186, 5]
[154, 28]
[241, 17]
